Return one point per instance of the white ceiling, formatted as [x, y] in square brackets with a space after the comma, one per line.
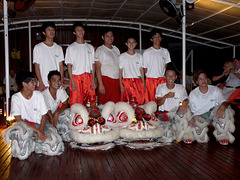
[214, 23]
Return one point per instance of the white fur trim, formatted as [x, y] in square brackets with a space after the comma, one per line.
[123, 106]
[94, 138]
[130, 134]
[150, 107]
[108, 109]
[81, 110]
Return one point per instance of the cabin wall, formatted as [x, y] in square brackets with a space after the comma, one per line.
[210, 59]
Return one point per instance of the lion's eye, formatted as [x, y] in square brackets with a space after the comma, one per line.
[77, 120]
[111, 119]
[122, 116]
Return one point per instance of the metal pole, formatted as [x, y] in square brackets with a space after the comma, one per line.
[234, 51]
[184, 44]
[140, 38]
[5, 17]
[30, 46]
[192, 61]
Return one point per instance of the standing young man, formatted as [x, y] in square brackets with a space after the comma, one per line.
[81, 68]
[47, 56]
[28, 105]
[107, 69]
[131, 75]
[55, 95]
[155, 60]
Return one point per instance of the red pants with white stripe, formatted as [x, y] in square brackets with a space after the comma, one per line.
[84, 90]
[134, 90]
[112, 90]
[151, 87]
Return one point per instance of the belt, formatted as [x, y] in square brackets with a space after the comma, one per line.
[232, 87]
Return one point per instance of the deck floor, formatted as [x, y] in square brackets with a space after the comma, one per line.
[176, 161]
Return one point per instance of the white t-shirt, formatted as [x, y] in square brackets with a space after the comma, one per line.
[30, 109]
[201, 103]
[233, 80]
[51, 103]
[171, 103]
[109, 61]
[81, 56]
[154, 60]
[48, 59]
[130, 64]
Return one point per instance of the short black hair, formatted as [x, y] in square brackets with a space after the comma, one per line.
[76, 24]
[155, 31]
[52, 73]
[131, 37]
[24, 76]
[170, 68]
[47, 24]
[106, 30]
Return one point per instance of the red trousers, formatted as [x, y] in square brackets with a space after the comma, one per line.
[84, 90]
[151, 87]
[235, 95]
[112, 90]
[134, 90]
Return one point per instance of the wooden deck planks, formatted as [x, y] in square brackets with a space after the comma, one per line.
[175, 161]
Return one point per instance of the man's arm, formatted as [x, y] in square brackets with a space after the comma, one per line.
[38, 74]
[120, 81]
[161, 100]
[233, 71]
[55, 116]
[93, 85]
[184, 106]
[142, 74]
[41, 134]
[99, 77]
[221, 109]
[73, 84]
[61, 72]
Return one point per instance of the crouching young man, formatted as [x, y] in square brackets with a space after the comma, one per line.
[55, 95]
[28, 105]
[209, 107]
[30, 111]
[172, 101]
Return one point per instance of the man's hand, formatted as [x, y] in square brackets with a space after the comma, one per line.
[74, 86]
[41, 87]
[192, 122]
[122, 89]
[232, 70]
[170, 95]
[183, 109]
[102, 89]
[93, 85]
[41, 135]
[221, 85]
[220, 111]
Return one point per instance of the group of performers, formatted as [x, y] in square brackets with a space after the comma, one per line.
[137, 95]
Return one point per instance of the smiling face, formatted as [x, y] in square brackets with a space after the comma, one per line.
[170, 77]
[49, 32]
[31, 85]
[108, 38]
[131, 43]
[156, 39]
[55, 82]
[79, 32]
